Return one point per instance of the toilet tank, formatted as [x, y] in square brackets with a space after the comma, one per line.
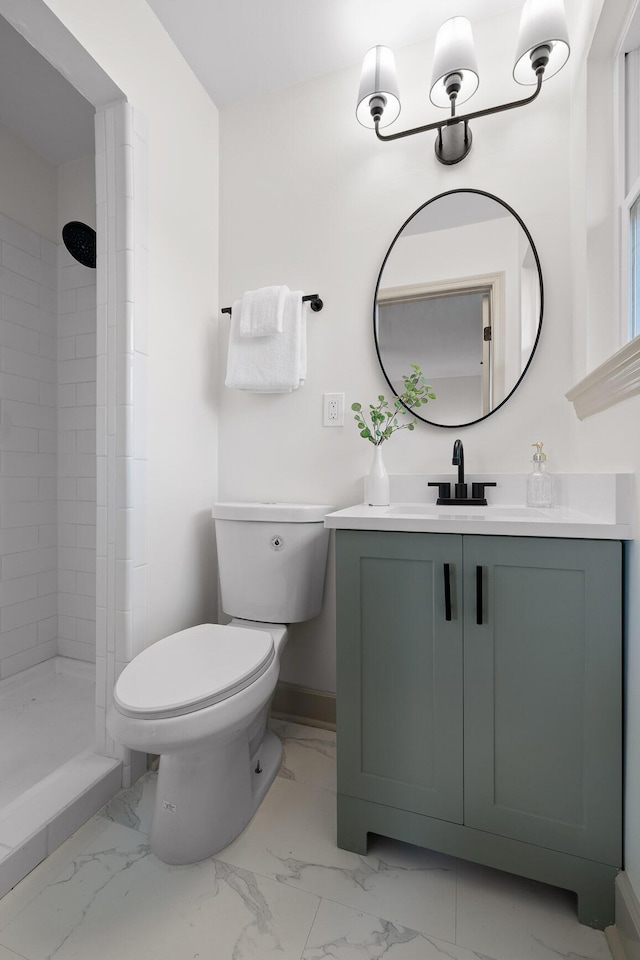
[271, 559]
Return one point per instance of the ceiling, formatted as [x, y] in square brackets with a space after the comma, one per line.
[241, 49]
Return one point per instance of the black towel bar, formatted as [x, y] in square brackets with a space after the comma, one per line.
[314, 300]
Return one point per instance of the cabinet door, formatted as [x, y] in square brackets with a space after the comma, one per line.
[399, 676]
[543, 692]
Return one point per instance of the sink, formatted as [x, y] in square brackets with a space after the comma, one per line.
[432, 511]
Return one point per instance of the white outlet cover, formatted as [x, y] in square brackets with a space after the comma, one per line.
[333, 410]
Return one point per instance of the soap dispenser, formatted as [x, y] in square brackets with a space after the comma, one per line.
[539, 482]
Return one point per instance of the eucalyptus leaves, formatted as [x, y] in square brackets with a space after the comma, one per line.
[383, 417]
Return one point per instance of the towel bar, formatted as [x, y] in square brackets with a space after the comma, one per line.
[314, 300]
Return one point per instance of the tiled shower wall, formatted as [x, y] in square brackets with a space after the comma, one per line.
[28, 374]
[47, 470]
[76, 458]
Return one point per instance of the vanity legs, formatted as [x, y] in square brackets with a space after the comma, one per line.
[352, 833]
[594, 883]
[596, 896]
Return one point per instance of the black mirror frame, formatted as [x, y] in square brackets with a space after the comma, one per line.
[491, 196]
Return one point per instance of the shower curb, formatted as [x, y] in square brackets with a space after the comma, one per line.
[43, 817]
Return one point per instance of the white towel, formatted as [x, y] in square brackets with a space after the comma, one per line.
[262, 312]
[275, 364]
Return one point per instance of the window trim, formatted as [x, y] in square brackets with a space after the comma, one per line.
[615, 380]
[625, 196]
[618, 377]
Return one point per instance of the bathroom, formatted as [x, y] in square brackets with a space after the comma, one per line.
[335, 201]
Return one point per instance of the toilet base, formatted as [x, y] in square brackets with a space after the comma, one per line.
[206, 795]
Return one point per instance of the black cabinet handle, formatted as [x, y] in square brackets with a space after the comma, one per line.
[479, 596]
[447, 592]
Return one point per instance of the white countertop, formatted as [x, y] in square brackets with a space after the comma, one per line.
[590, 506]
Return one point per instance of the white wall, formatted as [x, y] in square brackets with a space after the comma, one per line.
[28, 186]
[316, 207]
[128, 42]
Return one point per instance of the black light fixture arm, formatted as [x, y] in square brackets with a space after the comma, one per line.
[454, 118]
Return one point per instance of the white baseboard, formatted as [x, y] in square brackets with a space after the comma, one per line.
[624, 937]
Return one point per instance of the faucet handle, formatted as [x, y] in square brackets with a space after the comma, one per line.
[477, 489]
[444, 489]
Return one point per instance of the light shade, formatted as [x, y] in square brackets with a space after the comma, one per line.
[542, 23]
[454, 53]
[378, 79]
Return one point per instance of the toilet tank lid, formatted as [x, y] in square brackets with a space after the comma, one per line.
[271, 512]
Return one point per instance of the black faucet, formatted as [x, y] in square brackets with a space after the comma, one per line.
[458, 461]
[477, 497]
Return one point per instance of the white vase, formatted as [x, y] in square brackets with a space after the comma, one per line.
[378, 481]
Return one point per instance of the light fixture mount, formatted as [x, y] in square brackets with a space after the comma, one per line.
[542, 50]
[453, 143]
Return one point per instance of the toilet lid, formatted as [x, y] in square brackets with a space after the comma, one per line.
[192, 669]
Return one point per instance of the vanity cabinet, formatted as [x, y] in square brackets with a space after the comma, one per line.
[479, 702]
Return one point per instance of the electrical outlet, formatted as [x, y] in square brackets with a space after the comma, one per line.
[333, 410]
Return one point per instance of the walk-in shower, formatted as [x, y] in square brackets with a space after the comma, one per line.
[48, 507]
[47, 496]
[72, 424]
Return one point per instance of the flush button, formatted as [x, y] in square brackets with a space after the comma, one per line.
[277, 542]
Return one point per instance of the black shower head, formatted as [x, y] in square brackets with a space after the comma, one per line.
[80, 241]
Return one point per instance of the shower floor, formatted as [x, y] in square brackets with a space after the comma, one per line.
[47, 716]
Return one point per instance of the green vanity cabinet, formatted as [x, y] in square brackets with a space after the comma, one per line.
[479, 702]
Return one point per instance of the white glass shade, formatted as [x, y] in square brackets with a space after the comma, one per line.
[454, 53]
[542, 22]
[378, 79]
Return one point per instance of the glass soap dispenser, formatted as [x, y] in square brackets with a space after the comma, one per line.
[539, 482]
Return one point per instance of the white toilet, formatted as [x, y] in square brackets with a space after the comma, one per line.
[200, 697]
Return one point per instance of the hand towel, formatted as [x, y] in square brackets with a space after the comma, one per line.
[262, 312]
[275, 364]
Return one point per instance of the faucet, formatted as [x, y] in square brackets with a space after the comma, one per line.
[477, 497]
[458, 461]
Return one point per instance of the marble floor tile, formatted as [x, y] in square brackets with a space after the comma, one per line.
[308, 753]
[115, 899]
[46, 872]
[134, 807]
[340, 933]
[292, 838]
[6, 954]
[506, 916]
[281, 890]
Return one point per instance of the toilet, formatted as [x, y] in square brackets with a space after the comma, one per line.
[200, 698]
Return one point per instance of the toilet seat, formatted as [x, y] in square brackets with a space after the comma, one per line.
[192, 669]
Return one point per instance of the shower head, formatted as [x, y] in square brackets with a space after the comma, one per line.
[80, 241]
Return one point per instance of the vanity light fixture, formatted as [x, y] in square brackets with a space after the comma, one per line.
[541, 51]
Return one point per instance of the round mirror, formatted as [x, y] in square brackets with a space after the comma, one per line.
[460, 295]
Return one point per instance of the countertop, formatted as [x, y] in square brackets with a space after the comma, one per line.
[589, 506]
